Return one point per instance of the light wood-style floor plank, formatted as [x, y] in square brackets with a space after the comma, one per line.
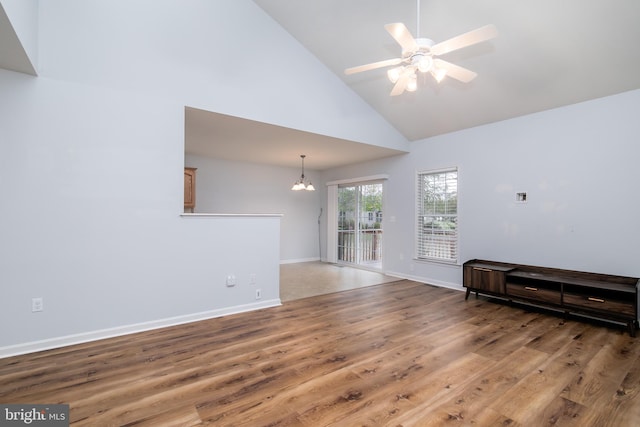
[395, 354]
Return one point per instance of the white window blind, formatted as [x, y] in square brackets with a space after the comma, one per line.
[437, 216]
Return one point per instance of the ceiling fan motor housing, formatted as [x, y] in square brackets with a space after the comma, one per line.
[421, 57]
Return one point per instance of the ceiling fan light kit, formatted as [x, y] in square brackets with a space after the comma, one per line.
[420, 54]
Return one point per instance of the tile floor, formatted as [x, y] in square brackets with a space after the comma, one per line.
[306, 279]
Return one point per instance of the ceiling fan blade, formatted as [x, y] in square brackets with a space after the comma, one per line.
[467, 39]
[373, 66]
[401, 84]
[402, 35]
[455, 71]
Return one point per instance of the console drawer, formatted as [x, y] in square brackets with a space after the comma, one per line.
[601, 302]
[534, 292]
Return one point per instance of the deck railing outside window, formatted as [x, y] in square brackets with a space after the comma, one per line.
[367, 245]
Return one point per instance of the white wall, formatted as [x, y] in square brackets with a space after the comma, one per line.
[225, 56]
[578, 165]
[92, 195]
[235, 187]
[91, 158]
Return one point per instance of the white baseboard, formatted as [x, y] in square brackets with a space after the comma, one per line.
[295, 261]
[51, 343]
[439, 283]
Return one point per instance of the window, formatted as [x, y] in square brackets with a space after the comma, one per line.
[437, 216]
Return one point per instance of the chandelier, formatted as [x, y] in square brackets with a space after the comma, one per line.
[302, 183]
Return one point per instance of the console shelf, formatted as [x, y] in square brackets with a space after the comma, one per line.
[603, 296]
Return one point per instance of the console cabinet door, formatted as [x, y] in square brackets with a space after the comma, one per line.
[484, 279]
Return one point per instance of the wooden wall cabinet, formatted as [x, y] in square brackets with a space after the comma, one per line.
[189, 188]
[603, 296]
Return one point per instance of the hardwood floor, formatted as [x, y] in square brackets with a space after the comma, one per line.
[395, 354]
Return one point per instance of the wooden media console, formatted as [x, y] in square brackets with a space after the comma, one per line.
[602, 296]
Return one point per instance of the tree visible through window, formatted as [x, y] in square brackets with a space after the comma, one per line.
[437, 216]
[360, 224]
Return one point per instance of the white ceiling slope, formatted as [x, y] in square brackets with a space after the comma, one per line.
[13, 56]
[548, 54]
[232, 138]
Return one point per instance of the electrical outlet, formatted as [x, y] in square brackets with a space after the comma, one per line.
[37, 304]
[258, 294]
[231, 280]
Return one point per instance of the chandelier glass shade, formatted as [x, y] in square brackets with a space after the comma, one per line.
[303, 183]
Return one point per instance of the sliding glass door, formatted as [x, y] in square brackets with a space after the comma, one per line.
[360, 224]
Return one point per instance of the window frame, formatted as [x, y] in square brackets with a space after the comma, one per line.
[420, 253]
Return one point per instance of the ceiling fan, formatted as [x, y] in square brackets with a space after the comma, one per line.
[421, 54]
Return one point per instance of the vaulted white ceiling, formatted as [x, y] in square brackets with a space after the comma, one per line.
[232, 138]
[548, 54]
[13, 55]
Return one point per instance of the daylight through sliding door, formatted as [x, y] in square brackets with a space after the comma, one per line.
[360, 224]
